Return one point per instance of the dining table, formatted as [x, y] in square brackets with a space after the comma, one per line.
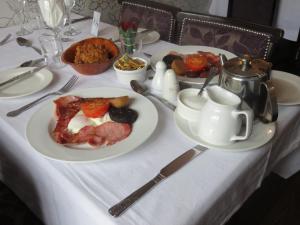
[207, 190]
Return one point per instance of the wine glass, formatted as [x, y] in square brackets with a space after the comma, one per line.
[70, 31]
[53, 13]
[22, 6]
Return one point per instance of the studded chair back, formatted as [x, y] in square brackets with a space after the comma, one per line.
[236, 36]
[151, 15]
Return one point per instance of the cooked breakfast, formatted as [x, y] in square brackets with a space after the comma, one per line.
[191, 65]
[96, 121]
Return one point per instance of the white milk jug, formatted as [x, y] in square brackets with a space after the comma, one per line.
[220, 120]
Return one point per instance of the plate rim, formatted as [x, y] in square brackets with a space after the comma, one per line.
[48, 74]
[281, 75]
[93, 157]
[150, 42]
[226, 148]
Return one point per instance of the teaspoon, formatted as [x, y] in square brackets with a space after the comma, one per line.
[212, 72]
[143, 91]
[27, 43]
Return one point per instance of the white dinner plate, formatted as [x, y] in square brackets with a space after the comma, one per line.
[23, 87]
[261, 134]
[188, 49]
[149, 37]
[42, 123]
[287, 87]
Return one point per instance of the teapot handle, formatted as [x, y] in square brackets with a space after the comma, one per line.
[249, 120]
[270, 109]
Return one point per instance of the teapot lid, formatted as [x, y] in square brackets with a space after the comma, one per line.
[246, 66]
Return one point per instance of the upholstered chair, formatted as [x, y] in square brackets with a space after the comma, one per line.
[150, 15]
[236, 36]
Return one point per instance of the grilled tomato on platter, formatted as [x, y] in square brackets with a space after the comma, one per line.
[193, 64]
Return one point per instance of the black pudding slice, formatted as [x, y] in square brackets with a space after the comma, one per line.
[123, 115]
[168, 59]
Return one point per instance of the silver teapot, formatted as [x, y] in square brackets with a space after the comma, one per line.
[250, 80]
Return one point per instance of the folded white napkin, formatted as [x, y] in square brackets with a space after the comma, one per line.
[52, 12]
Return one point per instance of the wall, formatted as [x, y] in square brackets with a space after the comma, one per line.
[109, 9]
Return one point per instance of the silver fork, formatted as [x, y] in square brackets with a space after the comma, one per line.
[61, 91]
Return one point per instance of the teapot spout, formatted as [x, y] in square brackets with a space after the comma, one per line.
[223, 59]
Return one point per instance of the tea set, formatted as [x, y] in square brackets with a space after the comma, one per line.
[226, 112]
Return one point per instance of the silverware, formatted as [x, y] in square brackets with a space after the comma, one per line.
[165, 172]
[147, 54]
[212, 72]
[5, 39]
[22, 76]
[30, 63]
[80, 19]
[61, 91]
[27, 43]
[66, 39]
[143, 91]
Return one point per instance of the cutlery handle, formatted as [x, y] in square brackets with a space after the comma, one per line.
[5, 39]
[164, 101]
[80, 19]
[120, 207]
[37, 50]
[28, 106]
[212, 72]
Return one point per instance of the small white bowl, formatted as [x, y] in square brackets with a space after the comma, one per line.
[189, 104]
[125, 76]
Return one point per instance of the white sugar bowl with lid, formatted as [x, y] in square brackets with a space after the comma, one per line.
[134, 69]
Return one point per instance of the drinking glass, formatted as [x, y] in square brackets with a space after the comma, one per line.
[53, 13]
[35, 16]
[22, 8]
[52, 50]
[70, 31]
[131, 43]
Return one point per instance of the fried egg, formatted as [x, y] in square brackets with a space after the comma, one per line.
[80, 120]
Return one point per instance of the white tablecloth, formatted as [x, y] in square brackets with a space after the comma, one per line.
[287, 17]
[206, 191]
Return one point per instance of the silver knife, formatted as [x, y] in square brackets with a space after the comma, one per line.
[32, 62]
[80, 19]
[165, 172]
[22, 75]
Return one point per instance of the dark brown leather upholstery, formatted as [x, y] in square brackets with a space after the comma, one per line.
[151, 15]
[236, 36]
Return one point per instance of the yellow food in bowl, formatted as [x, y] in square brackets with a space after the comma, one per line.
[128, 63]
